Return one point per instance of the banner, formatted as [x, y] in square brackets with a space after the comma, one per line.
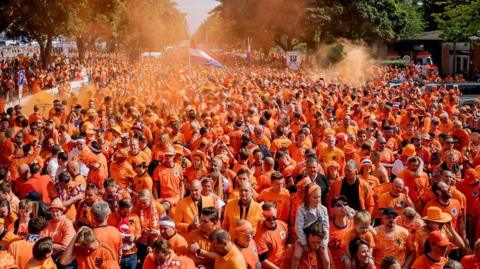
[294, 60]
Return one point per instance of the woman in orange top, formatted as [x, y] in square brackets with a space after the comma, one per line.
[59, 228]
[365, 173]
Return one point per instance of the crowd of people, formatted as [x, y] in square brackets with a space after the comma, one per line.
[241, 167]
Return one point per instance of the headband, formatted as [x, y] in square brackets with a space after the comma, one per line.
[168, 223]
[313, 188]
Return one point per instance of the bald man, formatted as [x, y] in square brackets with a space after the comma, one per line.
[73, 168]
[263, 181]
[24, 175]
[396, 198]
[242, 208]
[187, 212]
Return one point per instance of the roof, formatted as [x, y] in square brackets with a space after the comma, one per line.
[430, 35]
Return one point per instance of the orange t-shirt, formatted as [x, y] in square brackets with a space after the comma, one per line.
[170, 182]
[21, 251]
[36, 264]
[251, 255]
[142, 182]
[122, 173]
[336, 244]
[307, 261]
[111, 237]
[178, 244]
[61, 232]
[397, 244]
[352, 234]
[423, 262]
[273, 242]
[453, 208]
[175, 262]
[416, 185]
[95, 259]
[281, 200]
[470, 261]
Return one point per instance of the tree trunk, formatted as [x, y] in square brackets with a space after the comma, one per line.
[45, 50]
[454, 59]
[81, 47]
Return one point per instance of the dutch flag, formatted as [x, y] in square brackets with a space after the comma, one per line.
[199, 56]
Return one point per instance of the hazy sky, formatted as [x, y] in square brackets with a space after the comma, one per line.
[197, 11]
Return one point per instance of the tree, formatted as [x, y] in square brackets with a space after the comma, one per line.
[40, 20]
[460, 19]
[284, 22]
[151, 25]
[413, 13]
[96, 19]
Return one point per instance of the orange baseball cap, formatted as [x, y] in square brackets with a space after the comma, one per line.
[438, 238]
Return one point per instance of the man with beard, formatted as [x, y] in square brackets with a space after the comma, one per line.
[436, 258]
[448, 205]
[393, 240]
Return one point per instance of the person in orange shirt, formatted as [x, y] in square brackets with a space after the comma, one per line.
[243, 239]
[200, 244]
[59, 228]
[187, 212]
[128, 225]
[175, 240]
[448, 205]
[332, 153]
[365, 173]
[164, 257]
[42, 255]
[340, 224]
[278, 195]
[42, 184]
[89, 252]
[84, 207]
[315, 236]
[414, 178]
[271, 238]
[21, 250]
[69, 194]
[106, 234]
[243, 208]
[263, 181]
[397, 198]
[297, 149]
[391, 239]
[436, 258]
[358, 193]
[198, 169]
[472, 261]
[113, 193]
[149, 213]
[228, 256]
[121, 170]
[142, 179]
[168, 179]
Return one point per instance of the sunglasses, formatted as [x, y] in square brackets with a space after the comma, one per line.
[271, 219]
[451, 142]
[340, 204]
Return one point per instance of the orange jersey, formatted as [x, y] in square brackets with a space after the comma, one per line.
[396, 244]
[122, 173]
[21, 251]
[336, 244]
[471, 261]
[174, 262]
[169, 181]
[111, 237]
[281, 200]
[424, 262]
[141, 182]
[273, 242]
[453, 208]
[251, 255]
[96, 259]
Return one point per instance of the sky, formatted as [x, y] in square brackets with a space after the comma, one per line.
[196, 10]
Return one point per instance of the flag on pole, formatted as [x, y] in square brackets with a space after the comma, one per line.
[199, 56]
[249, 50]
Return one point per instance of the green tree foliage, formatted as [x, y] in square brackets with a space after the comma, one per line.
[96, 19]
[460, 20]
[151, 25]
[40, 20]
[413, 13]
[270, 22]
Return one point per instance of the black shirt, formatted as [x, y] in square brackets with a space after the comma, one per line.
[351, 191]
